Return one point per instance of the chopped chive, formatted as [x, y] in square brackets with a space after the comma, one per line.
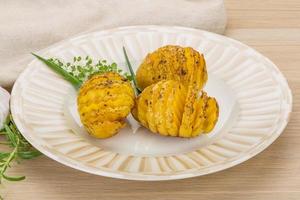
[138, 91]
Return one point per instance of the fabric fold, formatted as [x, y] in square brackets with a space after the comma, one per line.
[28, 26]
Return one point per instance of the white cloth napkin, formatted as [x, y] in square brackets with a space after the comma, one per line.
[27, 26]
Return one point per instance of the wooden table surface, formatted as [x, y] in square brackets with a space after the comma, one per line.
[273, 28]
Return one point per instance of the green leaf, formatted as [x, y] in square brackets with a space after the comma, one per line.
[73, 80]
[3, 155]
[138, 91]
[10, 136]
[89, 62]
[15, 178]
[29, 154]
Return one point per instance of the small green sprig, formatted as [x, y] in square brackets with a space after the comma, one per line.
[21, 149]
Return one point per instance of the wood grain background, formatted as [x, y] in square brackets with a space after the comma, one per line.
[273, 28]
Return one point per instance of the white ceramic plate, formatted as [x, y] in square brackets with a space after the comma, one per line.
[254, 98]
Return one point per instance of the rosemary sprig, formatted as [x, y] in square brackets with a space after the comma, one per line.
[138, 90]
[81, 68]
[21, 149]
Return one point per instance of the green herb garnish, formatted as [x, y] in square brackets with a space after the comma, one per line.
[81, 68]
[138, 91]
[57, 67]
[21, 149]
